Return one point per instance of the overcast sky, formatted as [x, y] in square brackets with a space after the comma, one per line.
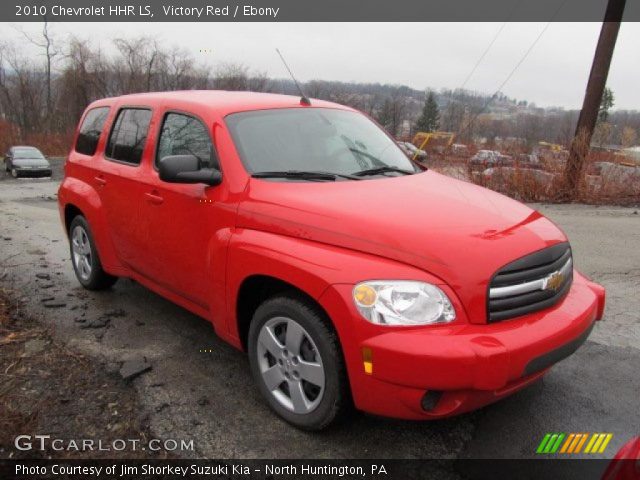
[420, 55]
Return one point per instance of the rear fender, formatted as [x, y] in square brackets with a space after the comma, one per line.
[81, 195]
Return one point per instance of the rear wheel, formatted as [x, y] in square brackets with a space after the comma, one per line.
[85, 259]
[14, 173]
[297, 362]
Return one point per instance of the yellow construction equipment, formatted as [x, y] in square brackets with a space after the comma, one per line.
[433, 140]
[554, 147]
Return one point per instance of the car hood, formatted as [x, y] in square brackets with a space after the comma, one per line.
[457, 231]
[30, 162]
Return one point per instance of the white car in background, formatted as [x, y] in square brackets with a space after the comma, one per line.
[491, 157]
[413, 151]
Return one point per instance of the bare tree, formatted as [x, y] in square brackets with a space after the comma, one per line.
[452, 117]
[602, 134]
[260, 82]
[529, 127]
[51, 51]
[176, 70]
[316, 89]
[393, 110]
[236, 76]
[21, 90]
[135, 67]
[47, 97]
[628, 137]
[371, 104]
[231, 76]
[83, 79]
[567, 128]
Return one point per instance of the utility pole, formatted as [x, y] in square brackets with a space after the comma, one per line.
[592, 98]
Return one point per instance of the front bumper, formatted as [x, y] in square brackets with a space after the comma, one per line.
[34, 172]
[467, 365]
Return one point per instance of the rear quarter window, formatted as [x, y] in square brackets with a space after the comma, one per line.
[90, 130]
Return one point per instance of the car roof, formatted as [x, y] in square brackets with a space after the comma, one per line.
[220, 101]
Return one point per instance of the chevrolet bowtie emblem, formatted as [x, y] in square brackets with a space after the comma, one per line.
[553, 281]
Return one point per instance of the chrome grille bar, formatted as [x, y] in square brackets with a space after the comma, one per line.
[532, 286]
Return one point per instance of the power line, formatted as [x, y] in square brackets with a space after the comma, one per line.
[490, 45]
[479, 61]
[484, 54]
[513, 71]
[524, 57]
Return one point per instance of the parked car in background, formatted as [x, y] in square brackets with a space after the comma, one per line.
[23, 161]
[485, 157]
[413, 151]
[298, 230]
[491, 158]
[404, 148]
[459, 149]
[505, 160]
[528, 160]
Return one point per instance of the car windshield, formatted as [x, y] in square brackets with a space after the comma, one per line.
[27, 153]
[314, 139]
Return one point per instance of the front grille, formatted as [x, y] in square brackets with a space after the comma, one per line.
[530, 283]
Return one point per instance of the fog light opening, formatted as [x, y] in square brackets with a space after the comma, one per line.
[430, 400]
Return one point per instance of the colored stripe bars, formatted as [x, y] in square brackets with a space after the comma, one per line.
[574, 442]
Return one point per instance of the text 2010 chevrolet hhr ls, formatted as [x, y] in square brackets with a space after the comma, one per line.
[350, 275]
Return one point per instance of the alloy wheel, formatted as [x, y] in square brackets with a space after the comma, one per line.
[290, 365]
[82, 255]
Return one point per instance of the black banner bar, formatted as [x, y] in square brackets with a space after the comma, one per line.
[309, 10]
[373, 469]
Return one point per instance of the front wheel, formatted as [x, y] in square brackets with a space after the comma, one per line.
[85, 259]
[297, 362]
[14, 173]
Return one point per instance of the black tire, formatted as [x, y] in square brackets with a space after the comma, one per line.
[335, 400]
[97, 278]
[14, 172]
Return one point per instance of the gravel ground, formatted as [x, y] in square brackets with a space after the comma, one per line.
[210, 397]
[49, 387]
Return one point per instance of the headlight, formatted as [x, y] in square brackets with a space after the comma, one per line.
[402, 302]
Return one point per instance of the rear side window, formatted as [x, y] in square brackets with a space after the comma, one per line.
[185, 135]
[128, 135]
[90, 130]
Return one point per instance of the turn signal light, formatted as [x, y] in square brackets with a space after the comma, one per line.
[367, 360]
[365, 295]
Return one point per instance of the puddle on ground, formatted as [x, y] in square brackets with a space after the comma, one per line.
[48, 201]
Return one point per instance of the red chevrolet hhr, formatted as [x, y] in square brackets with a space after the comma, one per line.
[349, 274]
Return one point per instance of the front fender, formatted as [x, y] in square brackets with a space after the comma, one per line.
[74, 192]
[309, 266]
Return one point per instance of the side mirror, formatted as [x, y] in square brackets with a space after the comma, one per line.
[186, 169]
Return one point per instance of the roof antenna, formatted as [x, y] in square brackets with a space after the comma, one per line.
[304, 100]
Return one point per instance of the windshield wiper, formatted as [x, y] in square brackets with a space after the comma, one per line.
[304, 175]
[366, 154]
[385, 169]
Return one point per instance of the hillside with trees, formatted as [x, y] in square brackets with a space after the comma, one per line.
[42, 97]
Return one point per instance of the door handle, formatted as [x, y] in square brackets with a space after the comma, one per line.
[100, 180]
[154, 198]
